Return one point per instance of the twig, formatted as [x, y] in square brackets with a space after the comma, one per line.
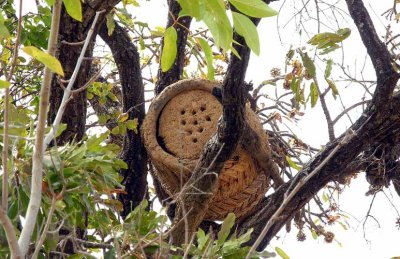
[47, 225]
[345, 111]
[10, 234]
[331, 130]
[37, 159]
[67, 92]
[6, 142]
[292, 193]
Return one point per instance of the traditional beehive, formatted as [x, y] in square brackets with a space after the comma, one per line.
[177, 126]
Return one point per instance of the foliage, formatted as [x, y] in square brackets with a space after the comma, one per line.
[83, 177]
[214, 15]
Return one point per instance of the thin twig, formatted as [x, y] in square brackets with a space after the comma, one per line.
[37, 159]
[11, 235]
[67, 92]
[6, 141]
[294, 191]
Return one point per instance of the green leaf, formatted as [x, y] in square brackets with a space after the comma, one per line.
[327, 41]
[141, 43]
[333, 87]
[343, 225]
[4, 84]
[49, 61]
[61, 129]
[123, 117]
[50, 2]
[292, 164]
[245, 237]
[110, 23]
[192, 8]
[281, 253]
[120, 164]
[168, 55]
[110, 254]
[226, 228]
[74, 9]
[328, 68]
[325, 197]
[246, 28]
[254, 8]
[115, 130]
[313, 94]
[308, 64]
[4, 33]
[314, 234]
[133, 125]
[234, 51]
[76, 256]
[217, 21]
[209, 57]
[202, 239]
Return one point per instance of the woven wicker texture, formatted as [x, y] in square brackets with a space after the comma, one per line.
[178, 124]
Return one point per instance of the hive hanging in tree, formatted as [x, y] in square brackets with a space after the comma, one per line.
[177, 126]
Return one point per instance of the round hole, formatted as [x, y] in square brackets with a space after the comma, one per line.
[194, 140]
[183, 122]
[203, 108]
[195, 122]
[190, 132]
[208, 118]
[183, 112]
[194, 112]
[200, 130]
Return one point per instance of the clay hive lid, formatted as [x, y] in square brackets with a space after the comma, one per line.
[188, 121]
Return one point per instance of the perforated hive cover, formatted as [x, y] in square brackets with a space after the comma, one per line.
[188, 121]
[178, 124]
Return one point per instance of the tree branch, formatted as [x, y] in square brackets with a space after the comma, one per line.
[127, 58]
[377, 51]
[11, 235]
[37, 158]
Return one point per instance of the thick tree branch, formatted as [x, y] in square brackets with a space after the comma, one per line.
[377, 51]
[380, 122]
[127, 59]
[182, 28]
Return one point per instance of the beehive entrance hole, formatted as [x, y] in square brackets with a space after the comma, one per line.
[184, 122]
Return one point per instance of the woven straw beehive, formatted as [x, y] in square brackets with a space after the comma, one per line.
[177, 126]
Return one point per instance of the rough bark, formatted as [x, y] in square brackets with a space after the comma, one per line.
[127, 59]
[379, 124]
[72, 31]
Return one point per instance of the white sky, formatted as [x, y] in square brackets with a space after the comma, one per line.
[383, 240]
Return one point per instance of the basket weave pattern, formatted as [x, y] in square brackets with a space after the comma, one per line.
[179, 123]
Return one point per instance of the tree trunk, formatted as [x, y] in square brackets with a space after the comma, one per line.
[133, 153]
